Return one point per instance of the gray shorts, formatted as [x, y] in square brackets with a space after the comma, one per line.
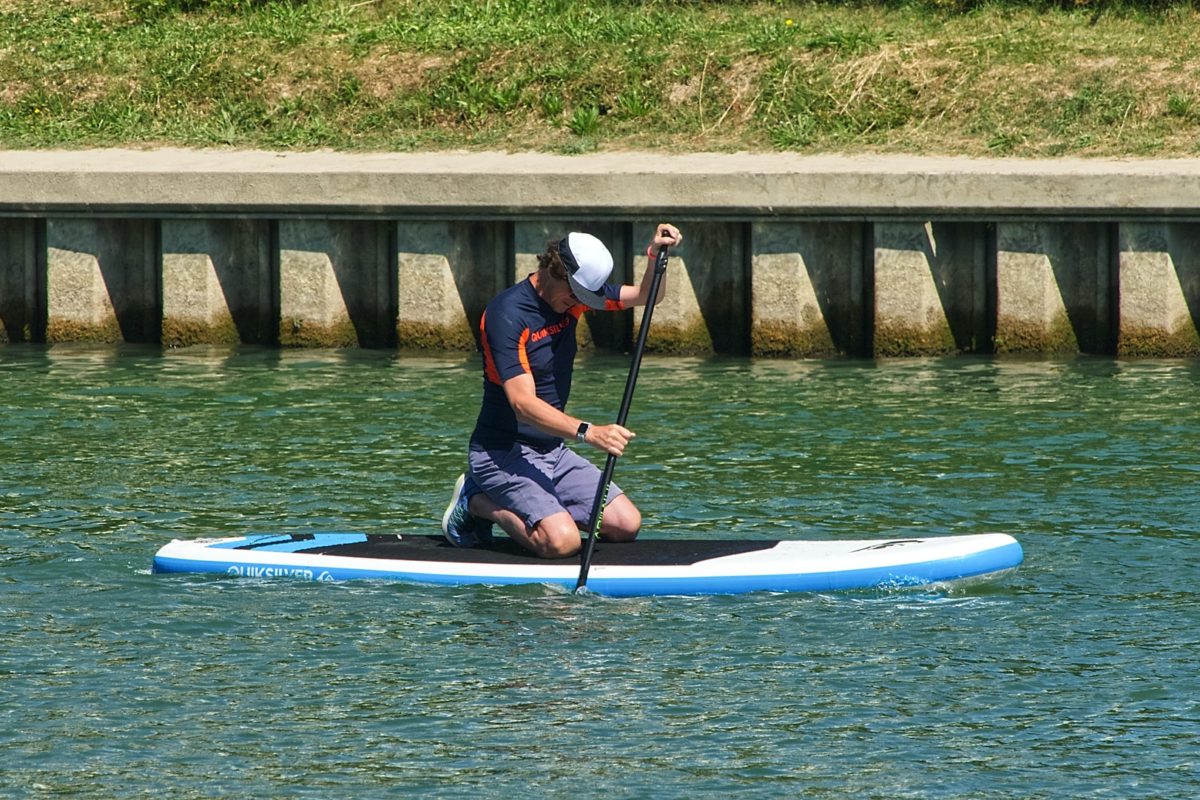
[533, 484]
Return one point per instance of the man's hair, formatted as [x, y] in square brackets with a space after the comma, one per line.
[552, 260]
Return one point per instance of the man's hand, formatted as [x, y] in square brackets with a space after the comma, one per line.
[665, 234]
[609, 438]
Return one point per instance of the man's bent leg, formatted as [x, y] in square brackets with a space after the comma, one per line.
[556, 536]
[621, 521]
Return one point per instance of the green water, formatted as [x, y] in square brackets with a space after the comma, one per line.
[1072, 677]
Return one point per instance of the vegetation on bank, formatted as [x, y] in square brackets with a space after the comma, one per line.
[1037, 79]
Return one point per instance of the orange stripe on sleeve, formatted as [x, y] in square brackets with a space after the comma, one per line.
[489, 364]
[522, 352]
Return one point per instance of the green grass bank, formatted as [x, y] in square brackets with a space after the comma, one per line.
[932, 77]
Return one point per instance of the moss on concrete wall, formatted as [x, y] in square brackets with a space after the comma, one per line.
[1159, 343]
[786, 340]
[911, 340]
[295, 332]
[65, 330]
[177, 332]
[1024, 336]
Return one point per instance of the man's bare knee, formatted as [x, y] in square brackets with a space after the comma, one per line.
[558, 547]
[555, 537]
[622, 521]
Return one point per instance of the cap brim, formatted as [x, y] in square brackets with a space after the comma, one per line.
[586, 296]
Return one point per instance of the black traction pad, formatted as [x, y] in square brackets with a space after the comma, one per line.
[644, 552]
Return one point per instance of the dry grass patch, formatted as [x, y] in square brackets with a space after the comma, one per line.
[384, 74]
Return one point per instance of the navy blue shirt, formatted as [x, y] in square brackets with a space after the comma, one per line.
[520, 332]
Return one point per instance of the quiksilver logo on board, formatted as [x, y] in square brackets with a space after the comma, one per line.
[274, 572]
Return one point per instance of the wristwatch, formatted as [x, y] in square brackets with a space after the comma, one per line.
[581, 434]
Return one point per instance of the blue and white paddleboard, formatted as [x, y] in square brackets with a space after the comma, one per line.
[644, 567]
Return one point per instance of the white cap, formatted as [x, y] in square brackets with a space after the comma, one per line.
[588, 264]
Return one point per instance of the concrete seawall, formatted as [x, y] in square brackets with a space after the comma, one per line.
[784, 256]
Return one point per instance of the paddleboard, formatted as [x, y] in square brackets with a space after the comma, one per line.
[644, 567]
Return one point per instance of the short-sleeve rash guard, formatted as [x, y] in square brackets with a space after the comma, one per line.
[520, 332]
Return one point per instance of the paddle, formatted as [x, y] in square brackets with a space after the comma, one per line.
[585, 563]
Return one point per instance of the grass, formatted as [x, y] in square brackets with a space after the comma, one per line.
[926, 76]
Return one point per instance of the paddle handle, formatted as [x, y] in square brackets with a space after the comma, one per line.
[585, 562]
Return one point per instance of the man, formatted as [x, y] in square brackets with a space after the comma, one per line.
[520, 474]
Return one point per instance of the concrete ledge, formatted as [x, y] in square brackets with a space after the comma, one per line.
[746, 187]
[783, 256]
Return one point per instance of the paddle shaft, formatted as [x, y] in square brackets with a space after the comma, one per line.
[585, 562]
